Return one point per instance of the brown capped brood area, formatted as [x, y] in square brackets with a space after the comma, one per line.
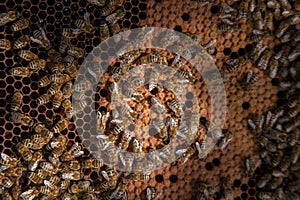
[255, 44]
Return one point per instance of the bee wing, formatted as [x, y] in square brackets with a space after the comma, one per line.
[122, 159]
[180, 151]
[3, 167]
[268, 117]
[262, 122]
[163, 155]
[124, 196]
[148, 194]
[251, 124]
[104, 174]
[86, 17]
[113, 195]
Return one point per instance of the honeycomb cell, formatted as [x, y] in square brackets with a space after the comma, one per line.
[159, 178]
[209, 166]
[9, 126]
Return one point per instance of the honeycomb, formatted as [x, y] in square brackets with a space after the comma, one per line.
[178, 181]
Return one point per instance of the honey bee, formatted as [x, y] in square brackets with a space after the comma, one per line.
[104, 31]
[168, 155]
[294, 54]
[33, 177]
[115, 17]
[54, 88]
[263, 180]
[5, 195]
[110, 176]
[68, 196]
[30, 194]
[47, 166]
[75, 51]
[5, 181]
[73, 165]
[64, 184]
[75, 151]
[46, 190]
[71, 175]
[186, 153]
[264, 59]
[92, 163]
[20, 118]
[126, 110]
[125, 140]
[36, 158]
[16, 101]
[115, 29]
[16, 191]
[45, 98]
[157, 106]
[60, 126]
[85, 24]
[251, 79]
[151, 193]
[55, 67]
[20, 71]
[40, 37]
[57, 99]
[175, 107]
[42, 173]
[52, 182]
[281, 29]
[108, 9]
[81, 86]
[226, 188]
[258, 20]
[8, 17]
[37, 64]
[162, 130]
[27, 55]
[120, 192]
[97, 2]
[24, 151]
[67, 90]
[20, 25]
[67, 105]
[258, 50]
[292, 124]
[8, 161]
[21, 42]
[226, 139]
[274, 63]
[71, 32]
[5, 44]
[16, 171]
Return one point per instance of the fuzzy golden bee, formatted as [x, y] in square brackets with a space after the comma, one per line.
[20, 71]
[5, 44]
[8, 17]
[28, 55]
[37, 64]
[21, 42]
[20, 25]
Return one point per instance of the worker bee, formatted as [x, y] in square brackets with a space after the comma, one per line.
[292, 124]
[102, 119]
[16, 171]
[57, 99]
[157, 106]
[55, 67]
[5, 44]
[71, 32]
[37, 64]
[251, 79]
[258, 20]
[45, 98]
[44, 81]
[82, 86]
[263, 180]
[16, 191]
[5, 181]
[251, 166]
[71, 175]
[46, 190]
[185, 77]
[226, 188]
[226, 139]
[20, 25]
[34, 178]
[8, 17]
[115, 29]
[42, 173]
[175, 107]
[36, 158]
[73, 165]
[125, 140]
[75, 151]
[162, 130]
[108, 9]
[16, 101]
[97, 2]
[85, 24]
[20, 71]
[60, 126]
[7, 160]
[264, 59]
[110, 176]
[54, 88]
[295, 154]
[24, 151]
[186, 153]
[30, 194]
[294, 54]
[21, 42]
[120, 192]
[92, 163]
[47, 166]
[115, 17]
[20, 118]
[104, 31]
[27, 55]
[126, 110]
[40, 37]
[67, 90]
[67, 105]
[168, 155]
[64, 184]
[258, 50]
[281, 29]
[75, 51]
[274, 63]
